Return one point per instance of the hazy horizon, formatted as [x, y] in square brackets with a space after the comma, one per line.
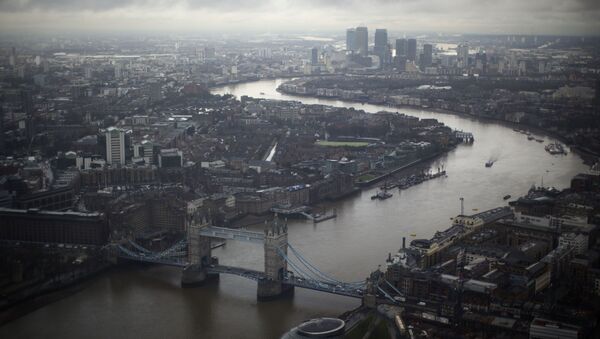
[551, 17]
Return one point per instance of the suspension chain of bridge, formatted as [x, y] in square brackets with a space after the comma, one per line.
[302, 274]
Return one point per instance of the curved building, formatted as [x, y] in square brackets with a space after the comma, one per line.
[318, 328]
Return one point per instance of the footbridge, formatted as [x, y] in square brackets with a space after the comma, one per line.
[284, 266]
[232, 234]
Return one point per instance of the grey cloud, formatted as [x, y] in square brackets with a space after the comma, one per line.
[566, 16]
[589, 4]
[105, 5]
[68, 5]
[343, 5]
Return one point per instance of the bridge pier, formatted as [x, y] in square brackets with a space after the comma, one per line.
[268, 289]
[195, 275]
[271, 289]
[369, 300]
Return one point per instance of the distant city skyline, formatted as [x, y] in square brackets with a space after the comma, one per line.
[562, 17]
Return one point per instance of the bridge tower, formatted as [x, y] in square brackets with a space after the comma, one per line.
[370, 294]
[276, 242]
[199, 256]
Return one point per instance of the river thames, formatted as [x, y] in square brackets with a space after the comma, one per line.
[149, 302]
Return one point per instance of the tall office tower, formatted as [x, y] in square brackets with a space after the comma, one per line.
[381, 40]
[411, 50]
[12, 58]
[400, 58]
[462, 53]
[88, 72]
[118, 71]
[401, 47]
[481, 63]
[427, 55]
[362, 40]
[351, 39]
[314, 56]
[115, 146]
[381, 45]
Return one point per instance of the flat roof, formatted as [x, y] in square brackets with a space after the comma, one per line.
[35, 211]
[321, 327]
[554, 324]
[504, 322]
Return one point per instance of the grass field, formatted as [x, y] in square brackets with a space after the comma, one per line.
[366, 177]
[342, 143]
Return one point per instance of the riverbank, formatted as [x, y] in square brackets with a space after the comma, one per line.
[245, 81]
[48, 295]
[589, 156]
[400, 168]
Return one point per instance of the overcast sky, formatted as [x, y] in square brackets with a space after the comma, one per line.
[446, 16]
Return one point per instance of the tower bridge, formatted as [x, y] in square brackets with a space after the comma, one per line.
[283, 271]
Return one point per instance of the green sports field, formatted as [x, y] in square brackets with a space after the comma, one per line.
[342, 143]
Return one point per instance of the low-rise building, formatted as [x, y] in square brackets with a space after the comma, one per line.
[36, 226]
[579, 242]
[541, 328]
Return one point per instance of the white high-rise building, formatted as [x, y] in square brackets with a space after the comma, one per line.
[115, 146]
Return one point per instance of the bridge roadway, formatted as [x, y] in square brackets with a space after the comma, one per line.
[169, 261]
[242, 272]
[291, 280]
[233, 234]
[347, 291]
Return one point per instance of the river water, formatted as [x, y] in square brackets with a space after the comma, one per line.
[148, 302]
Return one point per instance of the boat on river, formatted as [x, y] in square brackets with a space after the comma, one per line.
[382, 195]
[555, 148]
[490, 163]
[506, 197]
[318, 217]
